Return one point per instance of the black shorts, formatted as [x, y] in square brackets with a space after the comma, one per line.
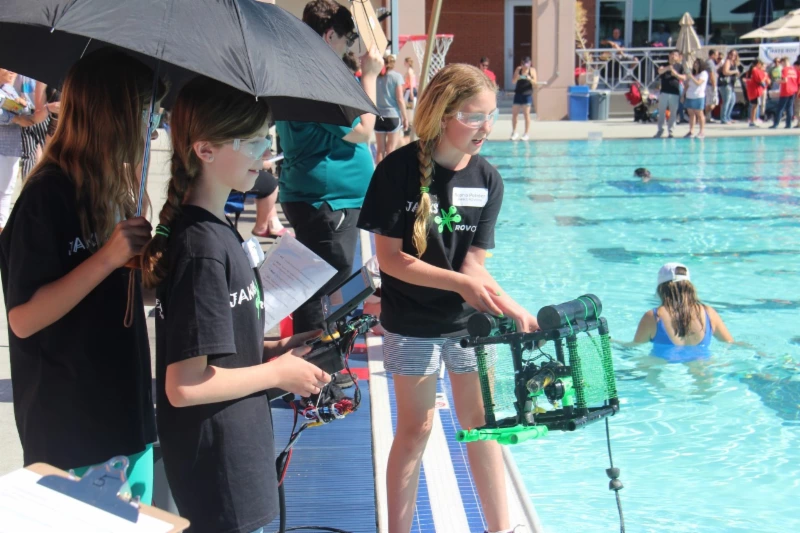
[387, 125]
[266, 183]
[755, 101]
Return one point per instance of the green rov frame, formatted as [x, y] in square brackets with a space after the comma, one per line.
[577, 386]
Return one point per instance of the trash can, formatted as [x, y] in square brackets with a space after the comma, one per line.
[598, 105]
[578, 102]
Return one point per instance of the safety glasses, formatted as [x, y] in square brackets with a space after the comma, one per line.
[253, 148]
[477, 120]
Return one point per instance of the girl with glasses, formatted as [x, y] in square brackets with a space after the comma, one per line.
[213, 366]
[432, 206]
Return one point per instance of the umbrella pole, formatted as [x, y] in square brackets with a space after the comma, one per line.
[146, 156]
[137, 263]
[432, 27]
[433, 24]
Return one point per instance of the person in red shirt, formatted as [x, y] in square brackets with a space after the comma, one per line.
[788, 93]
[756, 83]
[484, 64]
[797, 98]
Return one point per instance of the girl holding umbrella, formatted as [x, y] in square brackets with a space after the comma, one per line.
[81, 380]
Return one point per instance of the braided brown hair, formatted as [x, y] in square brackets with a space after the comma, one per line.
[205, 110]
[441, 100]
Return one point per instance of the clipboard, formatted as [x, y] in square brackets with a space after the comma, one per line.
[98, 488]
[370, 32]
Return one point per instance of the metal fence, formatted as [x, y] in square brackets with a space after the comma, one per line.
[616, 71]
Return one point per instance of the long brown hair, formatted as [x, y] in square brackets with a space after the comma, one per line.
[441, 100]
[100, 138]
[205, 110]
[681, 302]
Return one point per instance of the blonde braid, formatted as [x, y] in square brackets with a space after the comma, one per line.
[425, 156]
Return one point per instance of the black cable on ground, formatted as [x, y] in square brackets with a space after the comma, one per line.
[615, 484]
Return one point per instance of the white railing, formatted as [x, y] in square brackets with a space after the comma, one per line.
[616, 71]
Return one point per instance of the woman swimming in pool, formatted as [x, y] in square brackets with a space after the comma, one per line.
[681, 327]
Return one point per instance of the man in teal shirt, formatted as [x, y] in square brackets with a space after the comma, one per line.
[326, 169]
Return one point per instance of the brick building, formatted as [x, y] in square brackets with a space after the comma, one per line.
[479, 29]
[501, 29]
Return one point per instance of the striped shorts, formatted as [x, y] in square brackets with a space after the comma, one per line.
[415, 356]
[32, 138]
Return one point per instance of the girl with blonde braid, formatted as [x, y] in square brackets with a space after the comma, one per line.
[213, 366]
[433, 206]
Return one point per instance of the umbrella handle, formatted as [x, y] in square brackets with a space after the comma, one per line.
[146, 156]
[135, 263]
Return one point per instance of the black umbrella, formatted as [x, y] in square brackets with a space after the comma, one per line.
[257, 48]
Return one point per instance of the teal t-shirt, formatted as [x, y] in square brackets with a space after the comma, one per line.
[319, 166]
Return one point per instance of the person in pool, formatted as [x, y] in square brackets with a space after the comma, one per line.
[681, 327]
[642, 173]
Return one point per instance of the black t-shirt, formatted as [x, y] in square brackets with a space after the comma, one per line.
[464, 209]
[82, 386]
[220, 457]
[669, 83]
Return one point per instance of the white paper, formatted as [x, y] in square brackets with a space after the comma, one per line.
[27, 506]
[290, 275]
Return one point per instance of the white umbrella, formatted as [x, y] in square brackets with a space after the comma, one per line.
[786, 26]
[687, 43]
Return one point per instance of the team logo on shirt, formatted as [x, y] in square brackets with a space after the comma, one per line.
[77, 244]
[250, 294]
[447, 219]
[411, 207]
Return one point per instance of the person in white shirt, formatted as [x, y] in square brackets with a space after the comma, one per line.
[696, 96]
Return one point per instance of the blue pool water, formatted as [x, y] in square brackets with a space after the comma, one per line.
[704, 447]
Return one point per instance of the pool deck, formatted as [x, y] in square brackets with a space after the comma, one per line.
[447, 500]
[623, 129]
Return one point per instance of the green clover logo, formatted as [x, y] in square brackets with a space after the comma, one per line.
[447, 219]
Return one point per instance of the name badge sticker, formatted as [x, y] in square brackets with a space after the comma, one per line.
[470, 197]
[252, 248]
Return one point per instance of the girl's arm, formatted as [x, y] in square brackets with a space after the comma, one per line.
[40, 103]
[52, 301]
[474, 267]
[645, 332]
[719, 328]
[534, 79]
[398, 94]
[408, 268]
[517, 72]
[194, 382]
[371, 64]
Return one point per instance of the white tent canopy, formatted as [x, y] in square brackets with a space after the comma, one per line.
[786, 26]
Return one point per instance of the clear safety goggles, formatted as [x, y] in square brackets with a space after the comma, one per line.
[477, 120]
[253, 148]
